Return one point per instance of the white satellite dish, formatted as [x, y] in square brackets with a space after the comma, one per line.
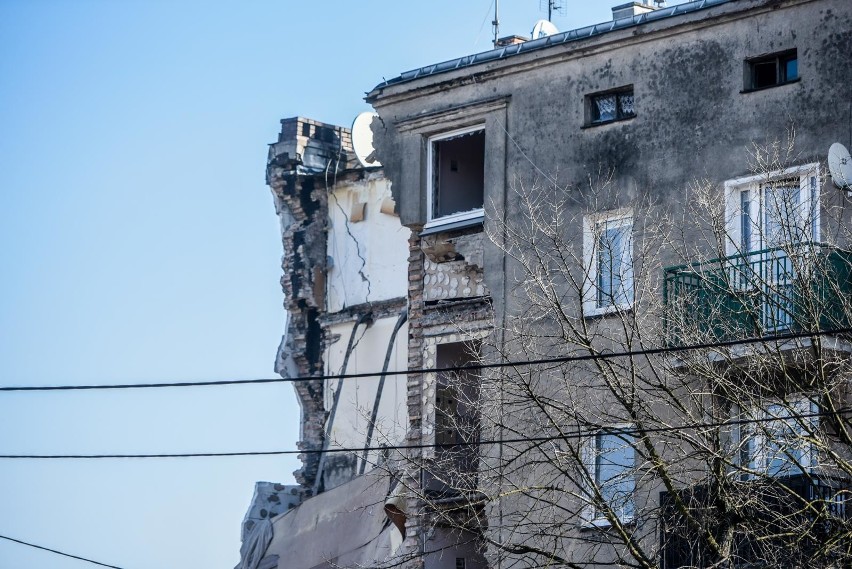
[543, 28]
[840, 166]
[362, 139]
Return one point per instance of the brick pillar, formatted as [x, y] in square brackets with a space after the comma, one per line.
[414, 526]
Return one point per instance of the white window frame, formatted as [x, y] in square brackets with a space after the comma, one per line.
[430, 181]
[591, 234]
[733, 208]
[590, 516]
[752, 441]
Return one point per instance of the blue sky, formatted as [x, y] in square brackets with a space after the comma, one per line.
[139, 243]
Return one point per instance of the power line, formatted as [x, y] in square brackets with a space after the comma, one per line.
[468, 367]
[57, 552]
[359, 450]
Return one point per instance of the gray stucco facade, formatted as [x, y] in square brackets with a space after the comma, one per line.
[694, 111]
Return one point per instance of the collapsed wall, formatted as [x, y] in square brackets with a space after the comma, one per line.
[344, 283]
[307, 157]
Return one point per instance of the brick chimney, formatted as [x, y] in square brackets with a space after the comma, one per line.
[631, 9]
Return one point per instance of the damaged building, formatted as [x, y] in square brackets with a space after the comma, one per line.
[583, 194]
[345, 290]
[542, 201]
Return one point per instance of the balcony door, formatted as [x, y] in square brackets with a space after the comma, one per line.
[768, 221]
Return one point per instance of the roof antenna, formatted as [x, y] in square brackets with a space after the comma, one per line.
[553, 6]
[496, 22]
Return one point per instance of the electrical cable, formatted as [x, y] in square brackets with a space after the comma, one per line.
[359, 450]
[468, 367]
[57, 552]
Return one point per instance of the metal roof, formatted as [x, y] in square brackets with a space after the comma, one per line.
[549, 41]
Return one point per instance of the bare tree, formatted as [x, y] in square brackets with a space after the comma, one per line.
[692, 408]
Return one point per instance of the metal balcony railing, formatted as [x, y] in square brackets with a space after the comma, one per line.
[794, 288]
[776, 522]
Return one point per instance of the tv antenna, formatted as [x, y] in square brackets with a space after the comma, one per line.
[553, 7]
[495, 23]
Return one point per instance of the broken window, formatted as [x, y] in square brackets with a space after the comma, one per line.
[456, 424]
[456, 176]
[611, 106]
[771, 70]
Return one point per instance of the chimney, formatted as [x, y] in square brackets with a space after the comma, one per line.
[632, 9]
[510, 40]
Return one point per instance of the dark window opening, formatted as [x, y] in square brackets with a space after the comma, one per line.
[460, 563]
[772, 70]
[456, 402]
[612, 106]
[458, 174]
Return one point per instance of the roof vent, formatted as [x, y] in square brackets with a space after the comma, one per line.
[634, 9]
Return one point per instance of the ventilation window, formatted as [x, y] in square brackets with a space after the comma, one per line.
[771, 70]
[610, 106]
[456, 176]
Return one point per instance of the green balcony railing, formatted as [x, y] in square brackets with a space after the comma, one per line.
[802, 287]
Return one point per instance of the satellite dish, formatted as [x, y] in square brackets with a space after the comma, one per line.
[543, 28]
[840, 166]
[362, 139]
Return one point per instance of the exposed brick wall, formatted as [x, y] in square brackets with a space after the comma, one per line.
[416, 305]
[307, 158]
[303, 239]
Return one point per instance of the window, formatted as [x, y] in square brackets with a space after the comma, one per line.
[610, 462]
[777, 443]
[608, 248]
[771, 70]
[610, 106]
[773, 210]
[456, 423]
[766, 216]
[456, 176]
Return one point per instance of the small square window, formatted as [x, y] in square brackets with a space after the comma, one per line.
[456, 176]
[611, 106]
[771, 70]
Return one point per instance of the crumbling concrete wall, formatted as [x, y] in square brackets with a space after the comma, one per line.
[344, 282]
[453, 266]
[306, 159]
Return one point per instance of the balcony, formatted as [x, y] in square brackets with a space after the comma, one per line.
[782, 290]
[792, 521]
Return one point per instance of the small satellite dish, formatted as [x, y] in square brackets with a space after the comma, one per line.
[840, 166]
[362, 139]
[543, 28]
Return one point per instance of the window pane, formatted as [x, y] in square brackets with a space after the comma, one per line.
[784, 220]
[765, 73]
[625, 102]
[745, 221]
[614, 461]
[614, 264]
[791, 69]
[604, 108]
[785, 447]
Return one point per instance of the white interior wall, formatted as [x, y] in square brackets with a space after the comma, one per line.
[379, 238]
[358, 395]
